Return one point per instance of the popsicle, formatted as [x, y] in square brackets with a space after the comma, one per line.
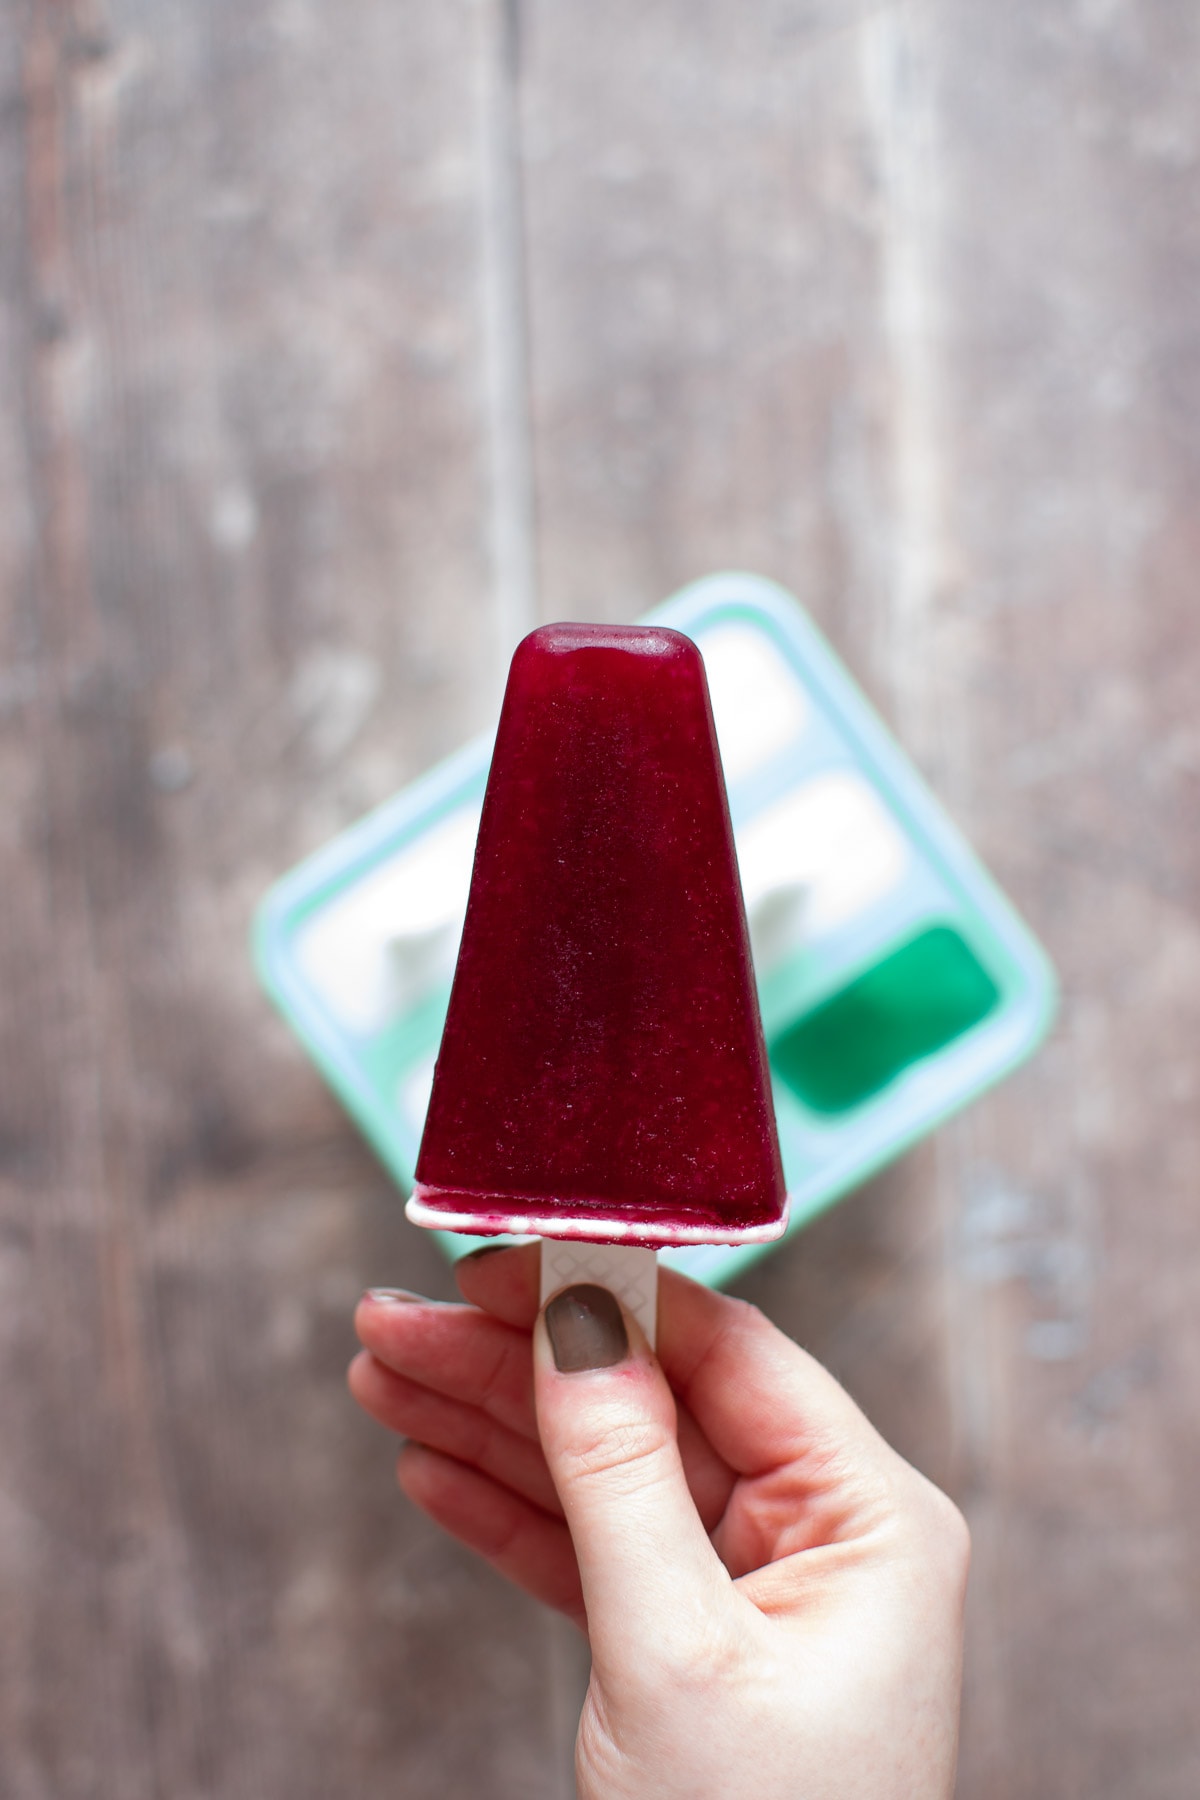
[602, 1073]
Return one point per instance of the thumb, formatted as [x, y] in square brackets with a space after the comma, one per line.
[607, 1423]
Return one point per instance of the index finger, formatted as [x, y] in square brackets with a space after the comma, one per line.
[761, 1400]
[504, 1280]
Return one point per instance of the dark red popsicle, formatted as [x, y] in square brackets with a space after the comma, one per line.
[602, 1073]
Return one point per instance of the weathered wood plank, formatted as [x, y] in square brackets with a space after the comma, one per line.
[896, 306]
[248, 594]
[1075, 360]
[700, 246]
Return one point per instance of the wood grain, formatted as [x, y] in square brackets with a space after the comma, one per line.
[249, 596]
[331, 359]
[897, 309]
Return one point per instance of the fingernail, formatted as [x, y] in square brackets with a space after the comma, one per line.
[586, 1329]
[482, 1250]
[394, 1297]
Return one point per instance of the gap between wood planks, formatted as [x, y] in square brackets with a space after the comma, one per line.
[507, 421]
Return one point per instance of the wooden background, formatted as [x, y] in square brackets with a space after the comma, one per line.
[339, 345]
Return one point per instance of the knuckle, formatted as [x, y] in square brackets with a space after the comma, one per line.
[707, 1661]
[743, 1315]
[698, 1662]
[957, 1535]
[626, 1452]
[948, 1532]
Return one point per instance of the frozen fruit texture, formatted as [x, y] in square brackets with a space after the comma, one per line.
[602, 1072]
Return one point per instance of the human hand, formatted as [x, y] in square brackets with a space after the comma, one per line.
[773, 1597]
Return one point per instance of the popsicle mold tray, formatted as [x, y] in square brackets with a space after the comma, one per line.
[896, 981]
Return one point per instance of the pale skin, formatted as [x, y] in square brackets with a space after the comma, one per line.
[772, 1596]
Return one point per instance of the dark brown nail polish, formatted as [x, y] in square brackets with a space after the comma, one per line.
[586, 1329]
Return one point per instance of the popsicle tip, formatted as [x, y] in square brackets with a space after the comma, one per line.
[568, 636]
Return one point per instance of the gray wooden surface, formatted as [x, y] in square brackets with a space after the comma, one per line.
[338, 346]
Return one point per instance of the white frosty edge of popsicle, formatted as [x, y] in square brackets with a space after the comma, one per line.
[579, 1229]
